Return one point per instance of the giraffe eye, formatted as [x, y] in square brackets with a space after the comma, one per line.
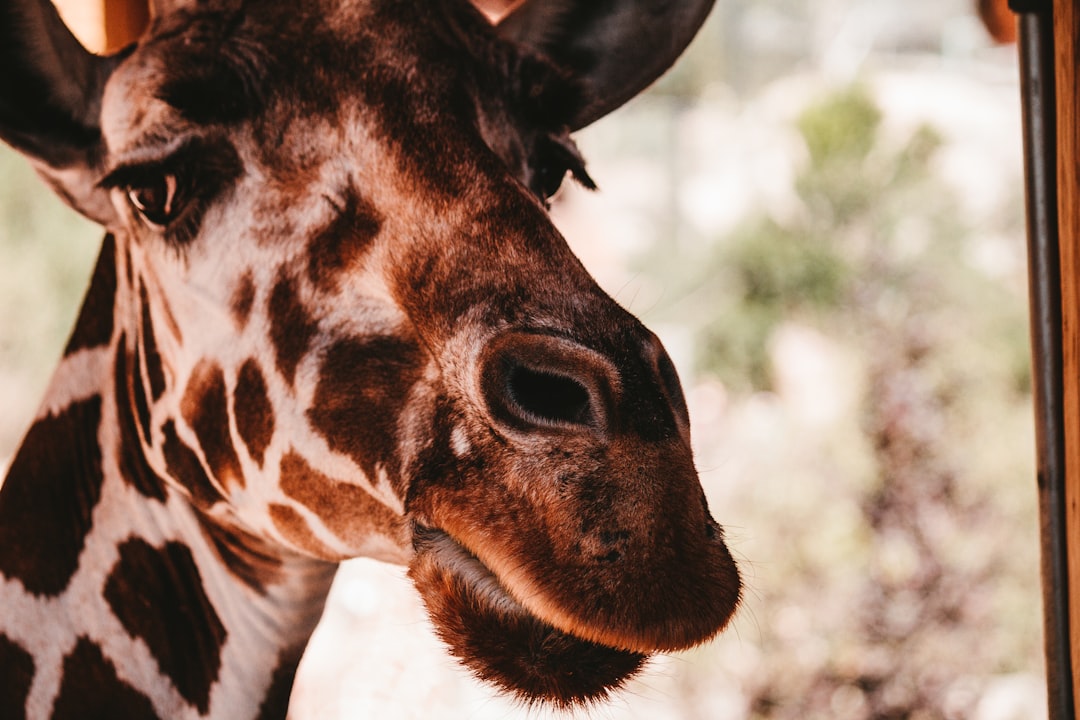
[169, 192]
[156, 201]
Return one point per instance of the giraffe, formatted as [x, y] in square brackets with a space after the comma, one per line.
[331, 318]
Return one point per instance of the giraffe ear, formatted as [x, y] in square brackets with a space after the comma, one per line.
[616, 47]
[50, 102]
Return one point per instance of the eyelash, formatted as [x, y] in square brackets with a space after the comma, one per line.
[178, 204]
[199, 173]
[164, 191]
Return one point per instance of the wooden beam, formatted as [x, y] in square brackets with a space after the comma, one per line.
[1038, 91]
[1066, 55]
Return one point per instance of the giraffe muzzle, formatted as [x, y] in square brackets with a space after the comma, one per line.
[564, 536]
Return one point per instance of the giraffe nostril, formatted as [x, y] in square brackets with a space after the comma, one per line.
[548, 397]
[536, 382]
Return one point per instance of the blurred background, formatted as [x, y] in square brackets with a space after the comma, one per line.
[820, 211]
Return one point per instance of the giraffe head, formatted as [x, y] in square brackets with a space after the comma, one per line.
[345, 323]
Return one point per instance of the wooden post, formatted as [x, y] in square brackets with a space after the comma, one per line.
[105, 26]
[1048, 42]
[1066, 44]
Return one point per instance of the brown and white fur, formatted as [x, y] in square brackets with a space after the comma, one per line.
[332, 318]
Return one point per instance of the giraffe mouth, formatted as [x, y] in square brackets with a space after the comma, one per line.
[503, 643]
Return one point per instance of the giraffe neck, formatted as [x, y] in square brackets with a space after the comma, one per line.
[121, 596]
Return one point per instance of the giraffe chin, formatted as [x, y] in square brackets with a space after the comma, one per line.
[500, 641]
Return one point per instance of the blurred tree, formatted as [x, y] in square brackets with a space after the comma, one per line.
[877, 258]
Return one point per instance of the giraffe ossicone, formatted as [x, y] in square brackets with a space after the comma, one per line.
[331, 318]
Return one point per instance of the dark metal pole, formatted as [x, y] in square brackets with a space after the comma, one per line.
[1036, 39]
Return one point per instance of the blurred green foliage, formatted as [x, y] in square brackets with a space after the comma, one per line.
[895, 535]
[876, 234]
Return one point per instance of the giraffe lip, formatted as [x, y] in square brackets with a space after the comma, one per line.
[500, 641]
[455, 558]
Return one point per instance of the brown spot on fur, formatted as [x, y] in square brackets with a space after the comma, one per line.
[276, 703]
[295, 530]
[151, 356]
[157, 595]
[137, 392]
[245, 556]
[215, 75]
[407, 110]
[362, 388]
[291, 328]
[16, 678]
[95, 324]
[340, 243]
[49, 497]
[184, 466]
[436, 288]
[133, 414]
[91, 689]
[128, 270]
[254, 413]
[205, 409]
[243, 298]
[348, 511]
